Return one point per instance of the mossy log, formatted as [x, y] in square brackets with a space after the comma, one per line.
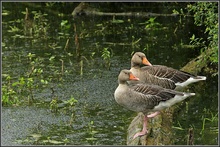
[160, 127]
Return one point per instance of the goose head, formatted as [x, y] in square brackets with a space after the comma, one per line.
[126, 75]
[139, 59]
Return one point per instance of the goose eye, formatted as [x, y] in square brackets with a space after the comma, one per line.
[140, 57]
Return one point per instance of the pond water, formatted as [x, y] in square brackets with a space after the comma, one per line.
[105, 48]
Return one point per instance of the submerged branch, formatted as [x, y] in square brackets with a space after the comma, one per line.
[84, 9]
[135, 14]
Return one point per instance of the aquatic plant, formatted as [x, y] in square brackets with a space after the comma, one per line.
[54, 105]
[91, 132]
[9, 94]
[106, 55]
[213, 118]
[152, 24]
[209, 122]
[23, 88]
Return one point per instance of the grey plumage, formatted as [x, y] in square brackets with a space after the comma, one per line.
[141, 97]
[163, 76]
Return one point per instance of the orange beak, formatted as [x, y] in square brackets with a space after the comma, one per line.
[146, 62]
[132, 77]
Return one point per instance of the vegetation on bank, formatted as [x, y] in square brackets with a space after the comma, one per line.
[206, 15]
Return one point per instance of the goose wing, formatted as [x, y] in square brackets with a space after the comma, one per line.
[154, 90]
[161, 71]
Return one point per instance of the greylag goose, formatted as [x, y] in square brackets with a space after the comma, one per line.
[145, 98]
[163, 76]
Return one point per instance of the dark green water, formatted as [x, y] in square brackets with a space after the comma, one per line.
[97, 118]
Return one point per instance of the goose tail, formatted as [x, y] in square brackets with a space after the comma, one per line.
[190, 80]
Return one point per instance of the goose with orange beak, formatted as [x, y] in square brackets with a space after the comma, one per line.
[145, 98]
[163, 76]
